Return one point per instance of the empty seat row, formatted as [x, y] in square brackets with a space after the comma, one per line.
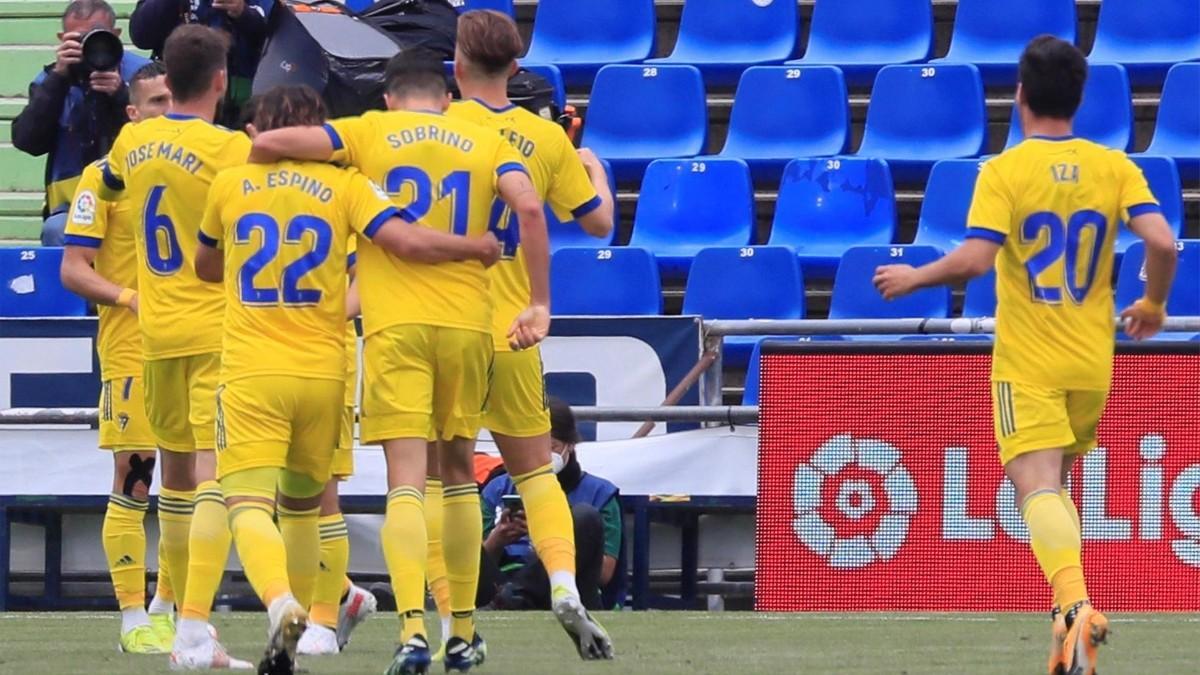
[916, 116]
[723, 37]
[824, 207]
[766, 282]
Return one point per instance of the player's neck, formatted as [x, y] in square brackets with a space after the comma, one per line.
[203, 108]
[1048, 127]
[493, 94]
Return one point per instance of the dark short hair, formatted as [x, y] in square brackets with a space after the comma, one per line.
[150, 71]
[289, 106]
[193, 54]
[416, 71]
[489, 40]
[82, 9]
[1052, 74]
[562, 422]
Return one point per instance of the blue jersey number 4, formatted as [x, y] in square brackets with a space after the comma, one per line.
[1064, 242]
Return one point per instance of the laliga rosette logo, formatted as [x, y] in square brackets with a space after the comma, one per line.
[853, 500]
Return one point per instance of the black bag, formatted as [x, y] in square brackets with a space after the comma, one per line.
[343, 56]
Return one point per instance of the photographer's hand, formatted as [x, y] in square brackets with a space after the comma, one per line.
[106, 82]
[233, 8]
[68, 53]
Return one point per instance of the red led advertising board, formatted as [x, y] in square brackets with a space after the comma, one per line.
[880, 487]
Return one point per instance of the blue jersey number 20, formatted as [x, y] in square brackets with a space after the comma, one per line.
[1063, 241]
[289, 285]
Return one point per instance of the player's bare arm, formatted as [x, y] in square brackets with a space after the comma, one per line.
[80, 277]
[532, 325]
[303, 143]
[1144, 318]
[421, 244]
[974, 258]
[598, 223]
[210, 263]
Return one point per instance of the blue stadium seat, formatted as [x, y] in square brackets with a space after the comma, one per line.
[1147, 37]
[504, 6]
[1177, 131]
[992, 35]
[826, 206]
[620, 281]
[568, 233]
[980, 297]
[855, 297]
[862, 37]
[754, 366]
[943, 221]
[759, 282]
[780, 113]
[688, 205]
[30, 285]
[580, 37]
[920, 114]
[1163, 177]
[722, 38]
[554, 76]
[670, 118]
[1184, 299]
[1106, 114]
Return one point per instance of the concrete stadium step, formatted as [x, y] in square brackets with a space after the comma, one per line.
[20, 172]
[20, 230]
[21, 203]
[5, 131]
[47, 8]
[11, 106]
[39, 30]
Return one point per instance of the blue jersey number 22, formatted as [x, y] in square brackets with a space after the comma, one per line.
[1064, 242]
[289, 285]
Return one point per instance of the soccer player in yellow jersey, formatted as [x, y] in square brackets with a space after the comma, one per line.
[164, 168]
[1046, 213]
[284, 228]
[428, 327]
[99, 263]
[575, 185]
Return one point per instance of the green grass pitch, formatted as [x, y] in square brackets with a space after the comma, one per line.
[659, 642]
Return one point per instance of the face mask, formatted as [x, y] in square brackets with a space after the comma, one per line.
[557, 462]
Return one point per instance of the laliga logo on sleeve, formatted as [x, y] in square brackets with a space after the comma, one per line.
[853, 500]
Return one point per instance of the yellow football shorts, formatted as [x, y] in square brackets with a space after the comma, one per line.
[343, 455]
[123, 422]
[181, 399]
[424, 381]
[1030, 418]
[280, 421]
[516, 404]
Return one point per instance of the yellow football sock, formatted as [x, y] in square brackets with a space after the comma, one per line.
[551, 528]
[175, 509]
[462, 539]
[124, 538]
[1056, 545]
[404, 550]
[260, 548]
[208, 549]
[439, 585]
[302, 539]
[163, 590]
[1065, 495]
[331, 576]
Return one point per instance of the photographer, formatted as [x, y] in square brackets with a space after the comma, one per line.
[76, 105]
[246, 22]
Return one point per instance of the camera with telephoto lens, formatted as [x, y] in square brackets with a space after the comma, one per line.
[102, 51]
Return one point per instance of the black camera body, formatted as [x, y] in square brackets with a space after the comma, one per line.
[102, 51]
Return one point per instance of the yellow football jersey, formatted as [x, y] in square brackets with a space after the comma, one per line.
[443, 172]
[561, 181]
[108, 227]
[1055, 205]
[284, 229]
[351, 396]
[164, 166]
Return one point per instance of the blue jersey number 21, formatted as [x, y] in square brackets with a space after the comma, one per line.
[289, 285]
[1063, 242]
[456, 186]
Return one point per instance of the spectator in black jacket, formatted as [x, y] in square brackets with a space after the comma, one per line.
[246, 22]
[73, 116]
